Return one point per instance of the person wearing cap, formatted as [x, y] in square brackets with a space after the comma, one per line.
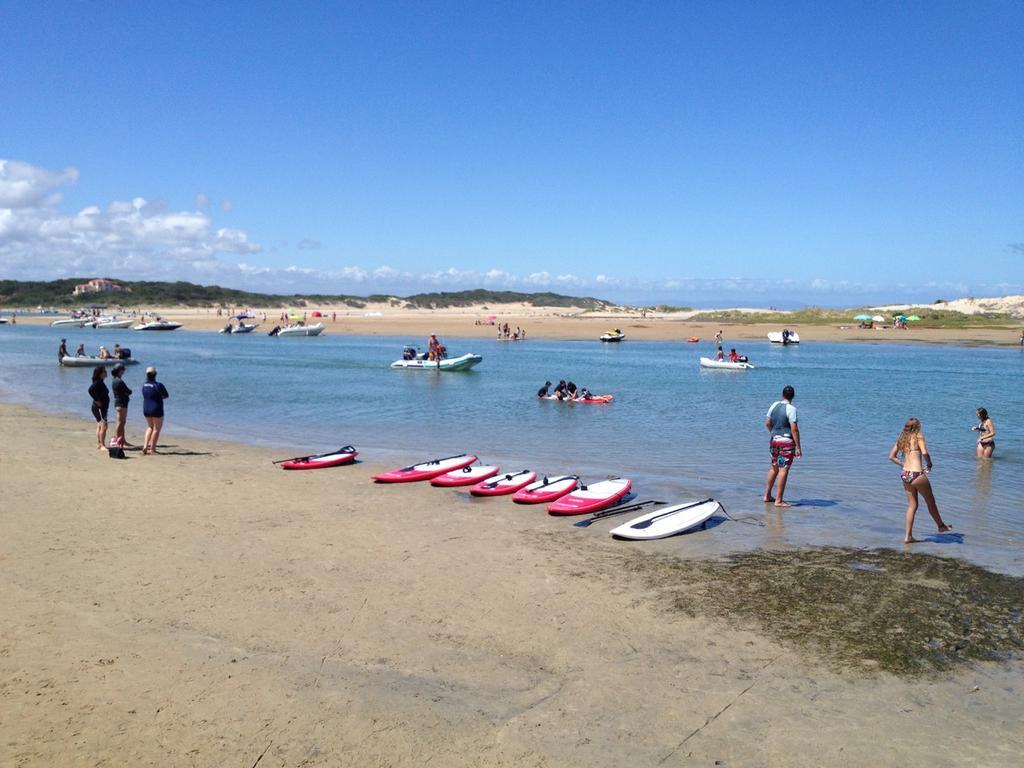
[104, 354]
[153, 395]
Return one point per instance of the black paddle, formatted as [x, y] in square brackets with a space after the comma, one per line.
[614, 511]
[411, 467]
[647, 523]
[494, 483]
[346, 449]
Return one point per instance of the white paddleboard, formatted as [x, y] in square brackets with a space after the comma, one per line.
[666, 521]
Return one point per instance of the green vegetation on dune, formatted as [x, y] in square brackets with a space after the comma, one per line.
[930, 318]
[59, 293]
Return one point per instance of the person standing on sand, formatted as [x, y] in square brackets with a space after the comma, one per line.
[781, 422]
[987, 438]
[153, 395]
[100, 404]
[122, 394]
[911, 444]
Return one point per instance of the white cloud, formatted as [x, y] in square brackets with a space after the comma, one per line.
[133, 238]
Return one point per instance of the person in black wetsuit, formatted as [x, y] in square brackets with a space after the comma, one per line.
[122, 394]
[100, 404]
[153, 395]
[62, 352]
[543, 391]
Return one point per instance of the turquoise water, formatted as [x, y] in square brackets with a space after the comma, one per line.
[677, 430]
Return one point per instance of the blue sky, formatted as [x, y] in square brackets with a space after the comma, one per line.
[703, 153]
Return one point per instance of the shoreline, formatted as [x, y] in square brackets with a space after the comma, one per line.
[214, 609]
[566, 325]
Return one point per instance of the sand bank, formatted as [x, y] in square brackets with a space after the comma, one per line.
[562, 323]
[206, 608]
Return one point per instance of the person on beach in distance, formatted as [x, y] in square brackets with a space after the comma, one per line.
[781, 422]
[122, 394]
[912, 446]
[153, 395]
[987, 438]
[100, 404]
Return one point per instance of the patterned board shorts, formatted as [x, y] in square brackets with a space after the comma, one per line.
[783, 452]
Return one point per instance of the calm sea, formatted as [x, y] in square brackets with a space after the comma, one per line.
[680, 432]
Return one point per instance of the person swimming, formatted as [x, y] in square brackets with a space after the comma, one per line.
[543, 391]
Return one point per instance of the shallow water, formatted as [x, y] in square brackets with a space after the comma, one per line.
[680, 432]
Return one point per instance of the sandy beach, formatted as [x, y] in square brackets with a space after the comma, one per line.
[568, 323]
[204, 608]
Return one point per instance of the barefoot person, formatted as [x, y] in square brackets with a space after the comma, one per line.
[912, 446]
[153, 395]
[987, 438]
[122, 394]
[100, 405]
[781, 422]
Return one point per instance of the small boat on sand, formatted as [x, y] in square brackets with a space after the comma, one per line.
[158, 325]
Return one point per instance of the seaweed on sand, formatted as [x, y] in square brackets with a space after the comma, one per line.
[905, 613]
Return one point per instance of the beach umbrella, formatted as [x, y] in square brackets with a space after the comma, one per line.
[913, 318]
[862, 317]
[316, 313]
[901, 317]
[878, 319]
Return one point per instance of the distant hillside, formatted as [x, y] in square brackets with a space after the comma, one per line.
[481, 296]
[58, 293]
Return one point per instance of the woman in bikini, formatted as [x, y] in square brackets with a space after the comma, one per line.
[987, 438]
[911, 444]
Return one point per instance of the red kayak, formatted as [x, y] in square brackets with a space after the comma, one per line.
[425, 470]
[336, 458]
[510, 482]
[546, 490]
[591, 498]
[465, 476]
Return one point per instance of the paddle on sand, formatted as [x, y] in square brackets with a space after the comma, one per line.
[647, 523]
[346, 449]
[615, 511]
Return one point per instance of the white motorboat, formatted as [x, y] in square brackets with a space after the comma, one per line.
[615, 335]
[112, 323]
[91, 362]
[725, 365]
[240, 328]
[299, 330]
[420, 363]
[158, 325]
[784, 337]
[77, 322]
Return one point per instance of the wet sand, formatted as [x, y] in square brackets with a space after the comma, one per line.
[205, 608]
[563, 323]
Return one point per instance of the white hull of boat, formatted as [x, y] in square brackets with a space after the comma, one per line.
[113, 324]
[77, 322]
[775, 337]
[462, 363]
[159, 325]
[91, 362]
[302, 330]
[611, 337]
[725, 365]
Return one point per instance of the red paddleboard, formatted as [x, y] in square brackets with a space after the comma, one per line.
[426, 470]
[465, 476]
[344, 455]
[593, 399]
[546, 490]
[510, 482]
[693, 340]
[591, 498]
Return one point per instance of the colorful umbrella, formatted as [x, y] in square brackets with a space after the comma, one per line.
[878, 319]
[862, 317]
[913, 318]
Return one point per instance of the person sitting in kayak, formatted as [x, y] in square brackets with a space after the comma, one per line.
[719, 355]
[543, 391]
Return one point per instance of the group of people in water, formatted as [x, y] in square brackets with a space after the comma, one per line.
[909, 452]
[153, 395]
[504, 332]
[117, 353]
[564, 390]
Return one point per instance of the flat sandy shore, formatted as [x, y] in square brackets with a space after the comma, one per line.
[204, 608]
[561, 323]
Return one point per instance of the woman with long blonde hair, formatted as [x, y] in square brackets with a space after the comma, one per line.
[916, 464]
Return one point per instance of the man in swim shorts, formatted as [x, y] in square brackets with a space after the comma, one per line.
[781, 422]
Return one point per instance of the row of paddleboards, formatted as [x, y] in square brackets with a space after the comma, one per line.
[564, 494]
